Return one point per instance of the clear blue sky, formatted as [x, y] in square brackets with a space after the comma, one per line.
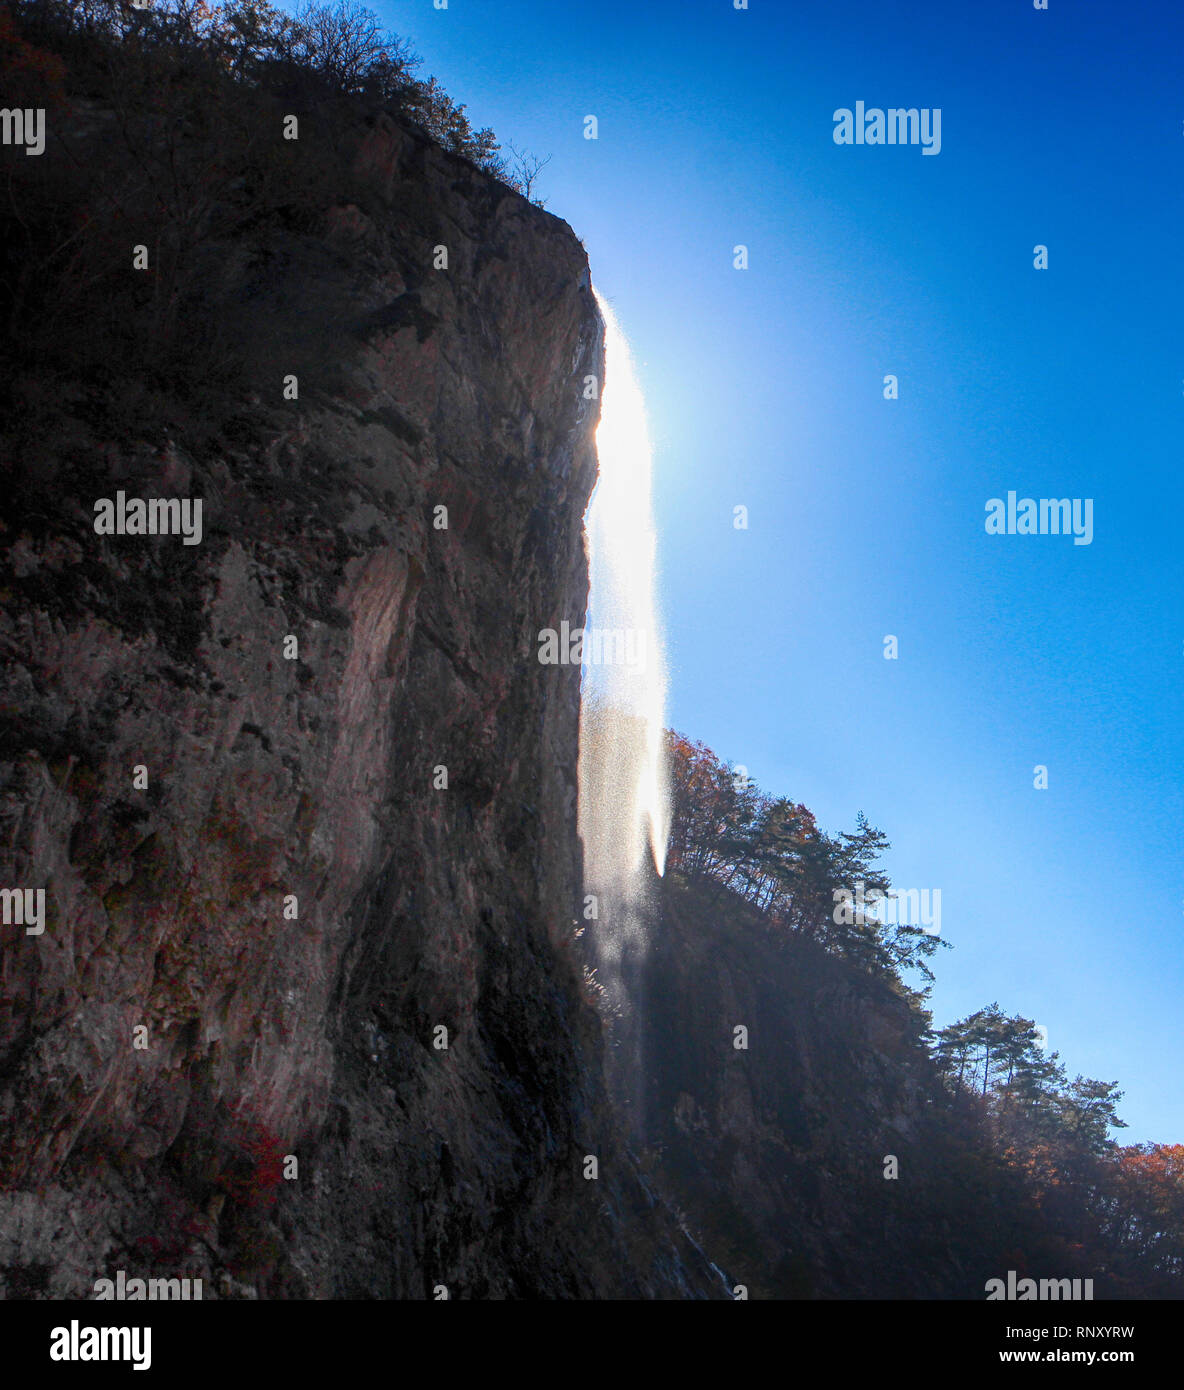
[867, 516]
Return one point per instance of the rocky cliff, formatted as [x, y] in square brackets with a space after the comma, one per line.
[815, 1153]
[294, 457]
[304, 1018]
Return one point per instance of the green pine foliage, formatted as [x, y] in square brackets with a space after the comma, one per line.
[770, 852]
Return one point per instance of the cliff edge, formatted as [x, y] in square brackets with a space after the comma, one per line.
[303, 1017]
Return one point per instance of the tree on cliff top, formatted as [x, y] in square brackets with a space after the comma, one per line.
[340, 49]
[179, 138]
[771, 853]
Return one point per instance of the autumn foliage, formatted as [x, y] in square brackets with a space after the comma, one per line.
[770, 852]
[1081, 1205]
[256, 1167]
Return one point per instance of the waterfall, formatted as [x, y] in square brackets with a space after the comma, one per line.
[624, 806]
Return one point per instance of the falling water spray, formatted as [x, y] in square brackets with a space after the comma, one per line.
[624, 806]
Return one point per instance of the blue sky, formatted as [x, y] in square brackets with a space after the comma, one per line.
[866, 516]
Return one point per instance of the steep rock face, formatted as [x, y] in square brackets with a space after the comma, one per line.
[313, 1029]
[778, 1150]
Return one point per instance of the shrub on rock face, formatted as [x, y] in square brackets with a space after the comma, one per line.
[256, 1168]
[323, 51]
